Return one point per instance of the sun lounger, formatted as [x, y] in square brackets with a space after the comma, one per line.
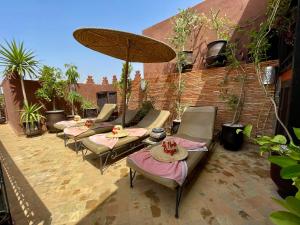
[104, 115]
[76, 134]
[197, 125]
[154, 118]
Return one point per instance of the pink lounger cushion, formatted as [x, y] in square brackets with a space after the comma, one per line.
[185, 143]
[101, 139]
[176, 170]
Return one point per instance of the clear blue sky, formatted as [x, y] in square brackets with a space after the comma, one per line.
[47, 26]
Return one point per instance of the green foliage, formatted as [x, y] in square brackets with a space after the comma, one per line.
[72, 74]
[31, 114]
[52, 84]
[184, 24]
[120, 84]
[221, 25]
[289, 161]
[17, 60]
[86, 104]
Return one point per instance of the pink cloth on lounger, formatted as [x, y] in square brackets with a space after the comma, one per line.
[101, 139]
[67, 123]
[74, 131]
[187, 144]
[176, 170]
[136, 132]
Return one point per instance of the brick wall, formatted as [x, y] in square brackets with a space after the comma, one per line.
[202, 88]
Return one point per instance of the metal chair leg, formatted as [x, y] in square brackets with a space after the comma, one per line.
[178, 197]
[131, 177]
[65, 140]
[101, 165]
[76, 147]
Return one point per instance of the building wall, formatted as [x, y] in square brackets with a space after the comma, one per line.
[14, 99]
[240, 12]
[202, 88]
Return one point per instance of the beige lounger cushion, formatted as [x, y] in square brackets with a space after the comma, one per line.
[130, 114]
[155, 118]
[104, 115]
[106, 112]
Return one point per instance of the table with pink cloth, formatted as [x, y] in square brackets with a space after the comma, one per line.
[101, 139]
[175, 170]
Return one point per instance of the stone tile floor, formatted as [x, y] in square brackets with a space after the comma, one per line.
[49, 184]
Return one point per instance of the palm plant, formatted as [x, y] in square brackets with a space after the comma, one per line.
[72, 78]
[18, 61]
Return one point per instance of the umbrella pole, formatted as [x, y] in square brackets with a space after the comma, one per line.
[125, 83]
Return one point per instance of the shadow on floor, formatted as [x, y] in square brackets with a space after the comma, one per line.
[25, 204]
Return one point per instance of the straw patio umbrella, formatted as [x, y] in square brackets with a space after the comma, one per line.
[125, 46]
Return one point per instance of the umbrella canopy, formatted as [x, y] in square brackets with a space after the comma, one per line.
[126, 46]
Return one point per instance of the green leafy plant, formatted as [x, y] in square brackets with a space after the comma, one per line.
[2, 103]
[288, 159]
[18, 61]
[31, 114]
[86, 104]
[222, 25]
[72, 96]
[52, 85]
[120, 84]
[234, 101]
[184, 24]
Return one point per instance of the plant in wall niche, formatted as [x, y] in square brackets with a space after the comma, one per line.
[222, 26]
[86, 104]
[31, 118]
[184, 24]
[120, 84]
[52, 85]
[288, 158]
[18, 61]
[72, 96]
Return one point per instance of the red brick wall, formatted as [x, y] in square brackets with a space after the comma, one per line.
[14, 99]
[202, 89]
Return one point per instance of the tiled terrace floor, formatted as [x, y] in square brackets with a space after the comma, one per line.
[50, 184]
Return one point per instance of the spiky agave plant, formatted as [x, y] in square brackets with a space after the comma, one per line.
[18, 61]
[31, 114]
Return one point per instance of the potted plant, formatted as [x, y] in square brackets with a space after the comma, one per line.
[230, 139]
[89, 109]
[52, 87]
[72, 96]
[2, 117]
[287, 160]
[31, 119]
[185, 23]
[216, 50]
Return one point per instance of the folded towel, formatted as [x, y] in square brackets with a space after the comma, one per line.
[176, 170]
[74, 131]
[185, 143]
[136, 132]
[101, 139]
